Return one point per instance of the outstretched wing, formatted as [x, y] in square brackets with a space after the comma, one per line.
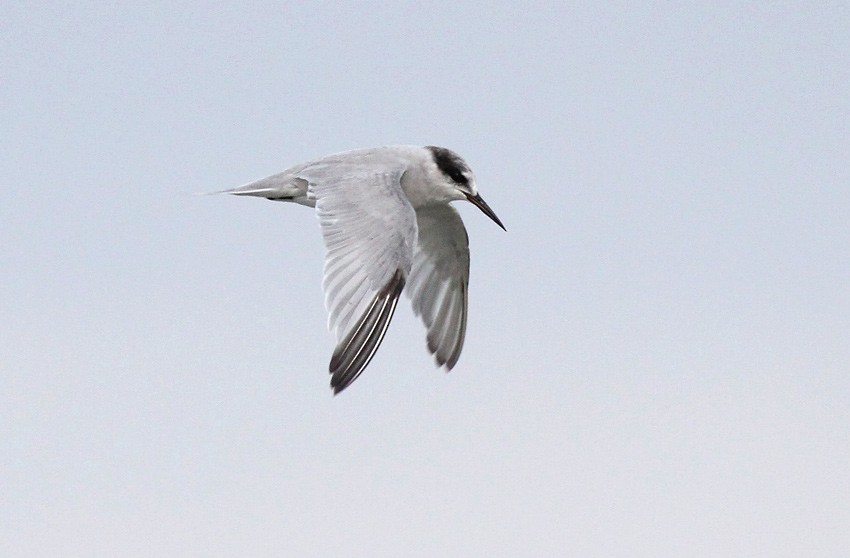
[439, 279]
[369, 228]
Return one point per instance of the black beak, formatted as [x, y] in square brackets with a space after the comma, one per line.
[478, 202]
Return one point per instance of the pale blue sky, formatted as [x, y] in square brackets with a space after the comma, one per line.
[658, 354]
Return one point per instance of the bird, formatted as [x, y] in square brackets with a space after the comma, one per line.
[388, 227]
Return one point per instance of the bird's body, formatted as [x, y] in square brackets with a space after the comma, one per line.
[387, 226]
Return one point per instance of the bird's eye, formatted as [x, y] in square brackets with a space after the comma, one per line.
[459, 178]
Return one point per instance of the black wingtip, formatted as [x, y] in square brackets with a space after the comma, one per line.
[355, 352]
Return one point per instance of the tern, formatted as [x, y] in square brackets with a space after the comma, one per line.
[388, 227]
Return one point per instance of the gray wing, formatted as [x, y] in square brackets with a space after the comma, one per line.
[439, 279]
[369, 229]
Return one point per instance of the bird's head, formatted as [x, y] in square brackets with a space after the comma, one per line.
[456, 179]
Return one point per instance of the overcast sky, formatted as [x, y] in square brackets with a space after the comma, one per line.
[657, 360]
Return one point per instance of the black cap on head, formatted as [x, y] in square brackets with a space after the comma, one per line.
[450, 164]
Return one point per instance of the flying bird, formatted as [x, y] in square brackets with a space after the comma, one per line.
[387, 226]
